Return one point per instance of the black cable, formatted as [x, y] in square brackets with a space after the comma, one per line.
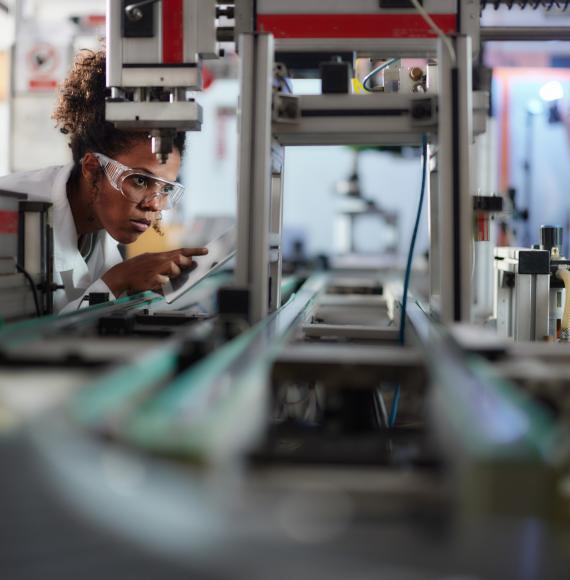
[33, 287]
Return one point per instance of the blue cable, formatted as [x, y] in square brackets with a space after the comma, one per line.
[394, 409]
[408, 273]
[407, 276]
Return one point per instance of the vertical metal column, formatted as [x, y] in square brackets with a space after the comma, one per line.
[455, 134]
[433, 228]
[275, 228]
[470, 21]
[254, 170]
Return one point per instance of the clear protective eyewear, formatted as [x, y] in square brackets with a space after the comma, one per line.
[138, 186]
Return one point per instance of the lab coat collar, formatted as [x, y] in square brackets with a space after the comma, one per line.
[67, 256]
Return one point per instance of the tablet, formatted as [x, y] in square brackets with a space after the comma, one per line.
[220, 251]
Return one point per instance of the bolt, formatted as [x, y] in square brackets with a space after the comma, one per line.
[416, 73]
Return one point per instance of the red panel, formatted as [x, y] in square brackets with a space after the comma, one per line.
[353, 25]
[42, 84]
[96, 19]
[8, 222]
[172, 31]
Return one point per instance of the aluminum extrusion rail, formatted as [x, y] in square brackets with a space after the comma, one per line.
[524, 33]
[181, 415]
[477, 412]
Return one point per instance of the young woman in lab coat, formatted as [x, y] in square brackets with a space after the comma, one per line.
[112, 192]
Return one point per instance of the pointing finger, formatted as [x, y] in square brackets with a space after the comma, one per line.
[194, 251]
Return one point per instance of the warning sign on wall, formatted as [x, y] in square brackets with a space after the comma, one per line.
[42, 59]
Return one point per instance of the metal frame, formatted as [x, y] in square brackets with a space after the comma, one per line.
[357, 119]
[254, 170]
[522, 307]
[455, 136]
[276, 228]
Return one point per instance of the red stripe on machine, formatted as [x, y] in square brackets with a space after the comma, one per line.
[353, 25]
[8, 222]
[172, 31]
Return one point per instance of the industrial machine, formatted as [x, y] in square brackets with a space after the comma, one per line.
[26, 258]
[329, 425]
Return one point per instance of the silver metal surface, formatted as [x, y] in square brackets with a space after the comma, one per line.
[433, 224]
[352, 331]
[455, 136]
[189, 77]
[521, 301]
[342, 365]
[114, 60]
[275, 233]
[524, 33]
[356, 119]
[254, 170]
[179, 115]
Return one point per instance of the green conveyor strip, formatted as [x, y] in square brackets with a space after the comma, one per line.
[140, 403]
[100, 402]
[26, 330]
[491, 418]
[184, 420]
[105, 403]
[288, 286]
[482, 415]
[31, 328]
[188, 399]
[541, 435]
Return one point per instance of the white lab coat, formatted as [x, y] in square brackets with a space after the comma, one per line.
[70, 269]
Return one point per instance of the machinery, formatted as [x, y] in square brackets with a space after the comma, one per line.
[342, 423]
[354, 207]
[26, 258]
[157, 49]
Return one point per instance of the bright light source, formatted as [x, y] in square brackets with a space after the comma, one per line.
[551, 91]
[535, 107]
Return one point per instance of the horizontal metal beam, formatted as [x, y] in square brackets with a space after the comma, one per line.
[375, 119]
[522, 33]
[348, 365]
[352, 331]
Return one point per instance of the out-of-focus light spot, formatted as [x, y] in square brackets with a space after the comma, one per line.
[535, 107]
[551, 91]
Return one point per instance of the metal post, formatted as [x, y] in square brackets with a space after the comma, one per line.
[254, 170]
[455, 134]
[433, 201]
[275, 229]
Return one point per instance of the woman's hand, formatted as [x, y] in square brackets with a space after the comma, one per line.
[149, 271]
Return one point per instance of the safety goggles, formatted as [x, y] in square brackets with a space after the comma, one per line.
[138, 186]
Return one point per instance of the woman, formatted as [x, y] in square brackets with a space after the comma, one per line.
[114, 190]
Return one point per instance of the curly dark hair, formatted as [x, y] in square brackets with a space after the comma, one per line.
[80, 111]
